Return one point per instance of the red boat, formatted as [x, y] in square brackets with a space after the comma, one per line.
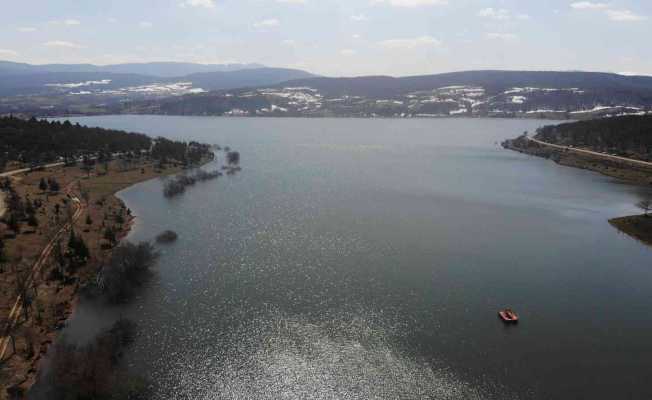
[507, 315]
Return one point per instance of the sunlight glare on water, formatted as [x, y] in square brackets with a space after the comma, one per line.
[284, 358]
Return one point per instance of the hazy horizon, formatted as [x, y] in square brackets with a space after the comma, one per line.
[336, 38]
[257, 65]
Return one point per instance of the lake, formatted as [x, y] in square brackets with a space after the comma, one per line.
[367, 259]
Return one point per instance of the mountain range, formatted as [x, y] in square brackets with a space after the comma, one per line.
[157, 69]
[544, 94]
[135, 80]
[253, 90]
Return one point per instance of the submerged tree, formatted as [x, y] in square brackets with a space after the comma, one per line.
[233, 157]
[127, 269]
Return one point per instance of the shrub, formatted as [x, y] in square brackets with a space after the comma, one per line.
[166, 237]
[233, 157]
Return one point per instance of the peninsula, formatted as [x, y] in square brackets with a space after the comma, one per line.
[61, 220]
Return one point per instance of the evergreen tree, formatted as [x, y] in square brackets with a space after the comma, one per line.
[54, 185]
[32, 220]
[12, 223]
[109, 235]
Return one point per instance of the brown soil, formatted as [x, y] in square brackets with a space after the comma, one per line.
[55, 298]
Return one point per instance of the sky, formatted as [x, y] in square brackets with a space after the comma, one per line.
[336, 37]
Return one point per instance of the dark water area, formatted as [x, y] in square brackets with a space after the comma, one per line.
[367, 259]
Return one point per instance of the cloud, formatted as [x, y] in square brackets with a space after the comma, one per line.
[7, 53]
[502, 36]
[359, 18]
[356, 36]
[64, 44]
[348, 52]
[500, 14]
[613, 14]
[411, 3]
[292, 1]
[625, 16]
[145, 24]
[494, 13]
[587, 5]
[267, 23]
[26, 29]
[289, 42]
[411, 43]
[111, 20]
[67, 22]
[197, 3]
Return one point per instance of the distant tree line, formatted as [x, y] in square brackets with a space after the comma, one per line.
[36, 142]
[627, 135]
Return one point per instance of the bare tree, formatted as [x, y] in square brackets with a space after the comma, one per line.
[646, 206]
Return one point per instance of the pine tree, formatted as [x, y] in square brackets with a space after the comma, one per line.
[54, 185]
[31, 220]
[109, 235]
[12, 223]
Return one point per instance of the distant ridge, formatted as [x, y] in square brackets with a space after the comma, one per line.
[290, 92]
[490, 93]
[52, 79]
[492, 81]
[157, 69]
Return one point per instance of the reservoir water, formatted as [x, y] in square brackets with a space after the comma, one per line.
[367, 259]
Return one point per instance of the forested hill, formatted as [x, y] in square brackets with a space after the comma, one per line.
[627, 136]
[529, 94]
[493, 81]
[34, 142]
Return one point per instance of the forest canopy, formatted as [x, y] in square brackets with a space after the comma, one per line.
[40, 141]
[627, 135]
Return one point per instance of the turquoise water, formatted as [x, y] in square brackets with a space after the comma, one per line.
[360, 259]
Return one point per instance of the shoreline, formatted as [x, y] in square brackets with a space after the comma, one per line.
[623, 170]
[638, 227]
[537, 117]
[22, 372]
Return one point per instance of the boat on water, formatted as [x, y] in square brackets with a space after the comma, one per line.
[508, 315]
